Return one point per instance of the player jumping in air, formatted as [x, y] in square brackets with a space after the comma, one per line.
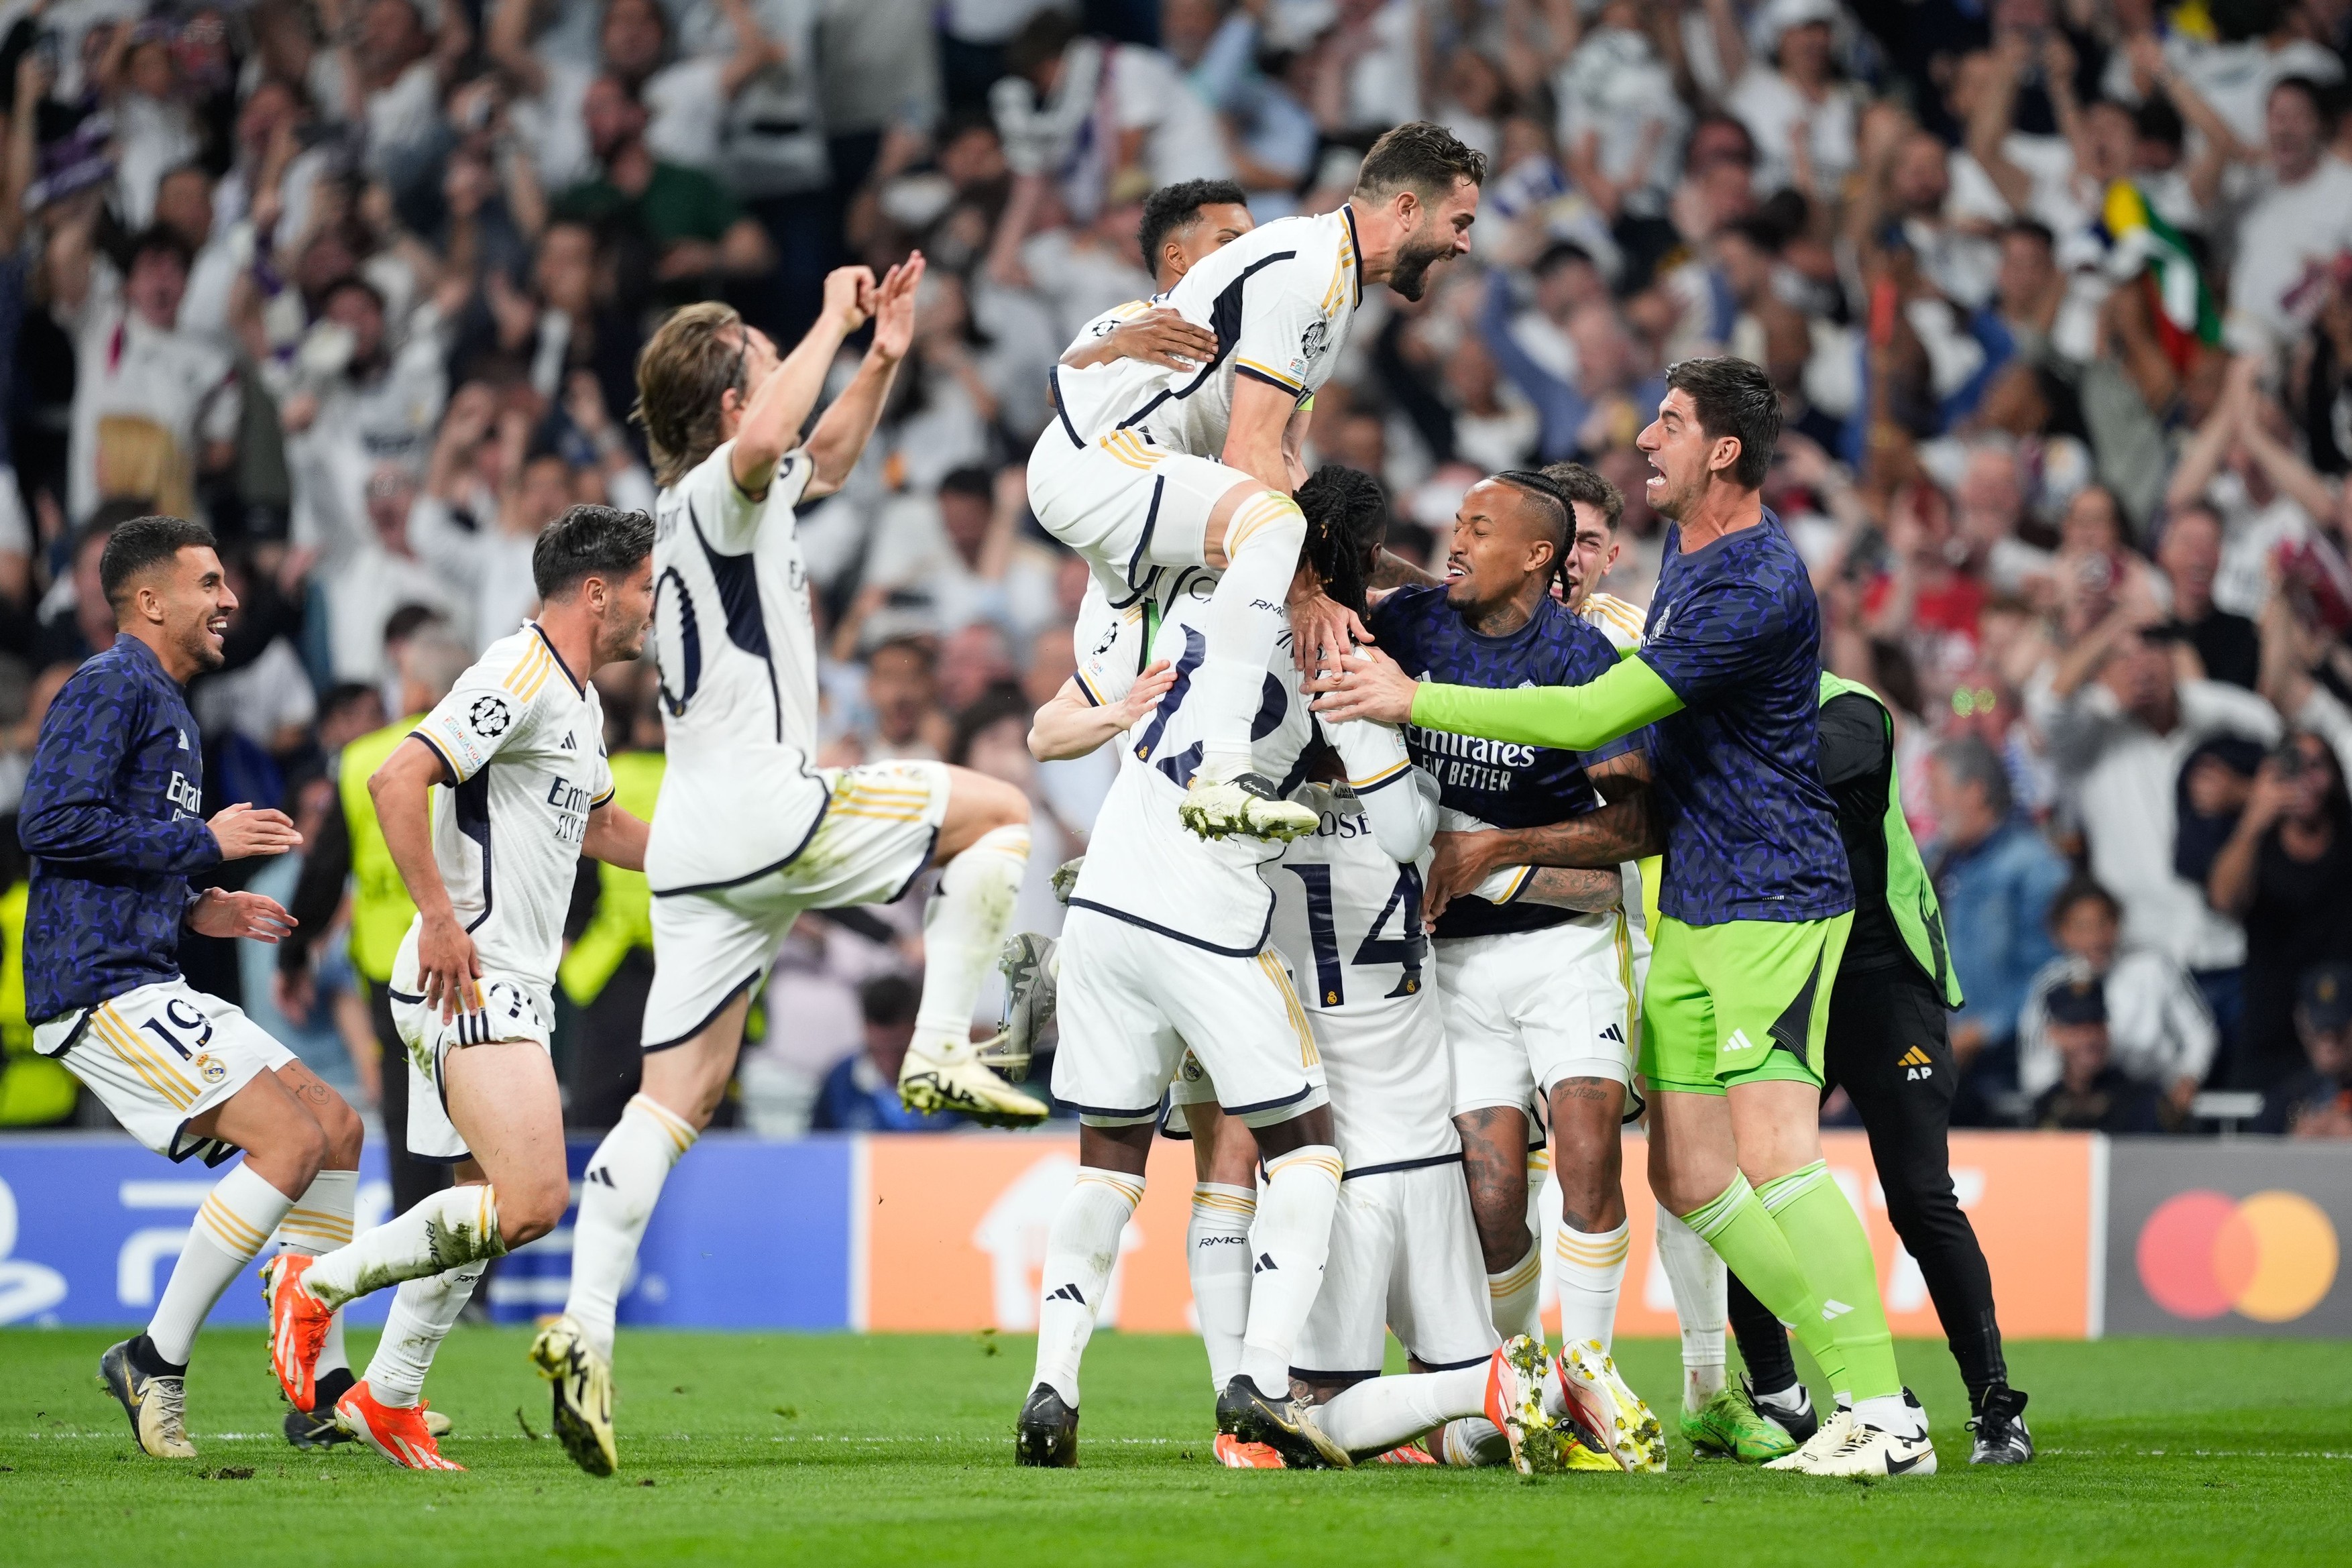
[749, 832]
[1756, 901]
[516, 748]
[1149, 467]
[110, 816]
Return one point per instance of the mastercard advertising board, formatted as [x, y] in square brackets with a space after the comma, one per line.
[2228, 1238]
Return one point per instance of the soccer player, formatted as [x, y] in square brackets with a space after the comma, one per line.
[1888, 1047]
[1756, 900]
[1166, 944]
[1182, 223]
[751, 832]
[1715, 1418]
[1538, 998]
[110, 816]
[518, 749]
[1146, 466]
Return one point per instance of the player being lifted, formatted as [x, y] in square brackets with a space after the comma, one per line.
[749, 832]
[110, 816]
[1756, 902]
[1147, 466]
[518, 750]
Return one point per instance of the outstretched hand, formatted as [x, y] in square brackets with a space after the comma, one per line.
[894, 308]
[1368, 684]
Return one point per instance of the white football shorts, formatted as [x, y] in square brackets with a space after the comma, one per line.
[158, 1056]
[1526, 1010]
[1404, 1258]
[880, 823]
[512, 1008]
[1130, 1000]
[1125, 503]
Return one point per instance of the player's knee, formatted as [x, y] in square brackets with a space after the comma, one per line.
[345, 1133]
[297, 1150]
[1269, 521]
[529, 1210]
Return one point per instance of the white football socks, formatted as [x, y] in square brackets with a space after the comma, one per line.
[963, 931]
[423, 1313]
[1218, 1258]
[1696, 1275]
[1081, 1249]
[1376, 1415]
[1474, 1443]
[1292, 1239]
[1889, 1413]
[1246, 620]
[235, 1218]
[1516, 1297]
[1587, 1272]
[456, 1225]
[617, 1196]
[320, 1222]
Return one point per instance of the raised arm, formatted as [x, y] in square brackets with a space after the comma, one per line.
[772, 420]
[1369, 685]
[841, 434]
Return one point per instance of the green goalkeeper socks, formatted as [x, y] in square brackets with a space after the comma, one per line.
[1824, 1233]
[1743, 1234]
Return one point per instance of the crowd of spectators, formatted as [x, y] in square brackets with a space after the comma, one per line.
[2058, 294]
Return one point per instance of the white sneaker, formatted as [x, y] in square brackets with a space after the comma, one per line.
[964, 1082]
[1611, 1417]
[1834, 1430]
[1245, 805]
[1874, 1451]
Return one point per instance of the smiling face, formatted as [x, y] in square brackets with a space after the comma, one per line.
[1592, 551]
[1434, 233]
[1500, 539]
[189, 599]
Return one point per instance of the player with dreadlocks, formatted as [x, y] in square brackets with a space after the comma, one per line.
[1536, 996]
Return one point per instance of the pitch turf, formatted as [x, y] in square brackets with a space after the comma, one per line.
[840, 1449]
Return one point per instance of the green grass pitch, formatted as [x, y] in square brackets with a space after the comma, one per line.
[839, 1450]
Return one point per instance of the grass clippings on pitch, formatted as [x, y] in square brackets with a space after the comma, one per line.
[836, 1449]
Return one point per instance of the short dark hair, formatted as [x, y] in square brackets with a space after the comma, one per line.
[589, 542]
[1042, 38]
[1561, 253]
[2083, 887]
[1579, 483]
[2323, 101]
[1422, 157]
[889, 1001]
[2156, 119]
[156, 237]
[1171, 207]
[970, 480]
[143, 544]
[1734, 397]
[1558, 517]
[2030, 228]
[348, 282]
[1970, 760]
[924, 650]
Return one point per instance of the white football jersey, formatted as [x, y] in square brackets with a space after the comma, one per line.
[1618, 620]
[525, 741]
[1279, 299]
[736, 643]
[1143, 866]
[1347, 919]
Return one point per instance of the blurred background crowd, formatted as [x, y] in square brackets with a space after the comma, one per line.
[2058, 294]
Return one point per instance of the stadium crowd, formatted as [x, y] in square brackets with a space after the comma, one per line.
[2058, 294]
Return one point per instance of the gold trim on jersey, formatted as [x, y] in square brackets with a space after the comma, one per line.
[1361, 785]
[142, 1058]
[1307, 1056]
[1258, 367]
[1131, 449]
[531, 671]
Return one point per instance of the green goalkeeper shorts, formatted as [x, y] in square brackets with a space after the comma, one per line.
[1738, 1003]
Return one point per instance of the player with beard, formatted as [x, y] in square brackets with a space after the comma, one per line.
[1756, 901]
[1151, 466]
[109, 818]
